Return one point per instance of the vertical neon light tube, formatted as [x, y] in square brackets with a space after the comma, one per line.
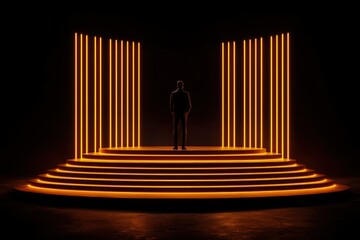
[100, 94]
[87, 93]
[127, 93]
[133, 92]
[244, 93]
[234, 95]
[95, 95]
[122, 93]
[81, 95]
[222, 96]
[138, 94]
[277, 92]
[76, 96]
[255, 92]
[271, 94]
[110, 90]
[250, 65]
[116, 93]
[261, 94]
[282, 96]
[288, 96]
[228, 93]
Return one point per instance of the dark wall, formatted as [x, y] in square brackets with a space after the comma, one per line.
[37, 82]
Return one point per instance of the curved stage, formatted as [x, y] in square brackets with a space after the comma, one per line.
[200, 172]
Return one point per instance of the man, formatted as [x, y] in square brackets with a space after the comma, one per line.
[180, 106]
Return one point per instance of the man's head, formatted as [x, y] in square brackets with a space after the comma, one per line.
[180, 84]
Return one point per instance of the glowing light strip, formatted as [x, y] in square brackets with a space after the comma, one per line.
[87, 94]
[255, 92]
[288, 95]
[187, 195]
[184, 195]
[138, 94]
[222, 96]
[181, 174]
[122, 93]
[100, 95]
[228, 93]
[133, 93]
[127, 93]
[193, 168]
[76, 94]
[261, 94]
[54, 177]
[95, 95]
[116, 93]
[250, 67]
[185, 186]
[176, 161]
[244, 93]
[81, 95]
[271, 94]
[234, 95]
[277, 93]
[110, 97]
[282, 96]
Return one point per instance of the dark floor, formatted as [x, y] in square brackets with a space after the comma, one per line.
[334, 216]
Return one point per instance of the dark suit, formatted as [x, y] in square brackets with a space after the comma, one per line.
[180, 106]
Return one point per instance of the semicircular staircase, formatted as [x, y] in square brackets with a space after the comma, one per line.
[200, 172]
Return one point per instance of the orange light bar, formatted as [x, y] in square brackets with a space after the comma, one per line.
[95, 97]
[76, 95]
[244, 93]
[234, 94]
[81, 95]
[122, 94]
[110, 91]
[87, 94]
[139, 107]
[222, 96]
[116, 93]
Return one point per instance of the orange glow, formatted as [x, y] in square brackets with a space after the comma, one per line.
[244, 94]
[187, 195]
[110, 97]
[222, 96]
[133, 94]
[228, 94]
[87, 94]
[288, 95]
[173, 187]
[139, 95]
[127, 93]
[122, 94]
[95, 95]
[75, 94]
[271, 94]
[255, 93]
[234, 95]
[250, 67]
[81, 95]
[261, 94]
[282, 96]
[277, 93]
[100, 96]
[116, 93]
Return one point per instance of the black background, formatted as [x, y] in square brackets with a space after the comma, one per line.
[37, 80]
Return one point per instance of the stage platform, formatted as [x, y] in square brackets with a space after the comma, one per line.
[200, 172]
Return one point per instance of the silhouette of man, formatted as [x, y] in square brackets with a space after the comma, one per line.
[180, 106]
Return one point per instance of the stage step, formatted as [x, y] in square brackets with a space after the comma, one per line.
[198, 172]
